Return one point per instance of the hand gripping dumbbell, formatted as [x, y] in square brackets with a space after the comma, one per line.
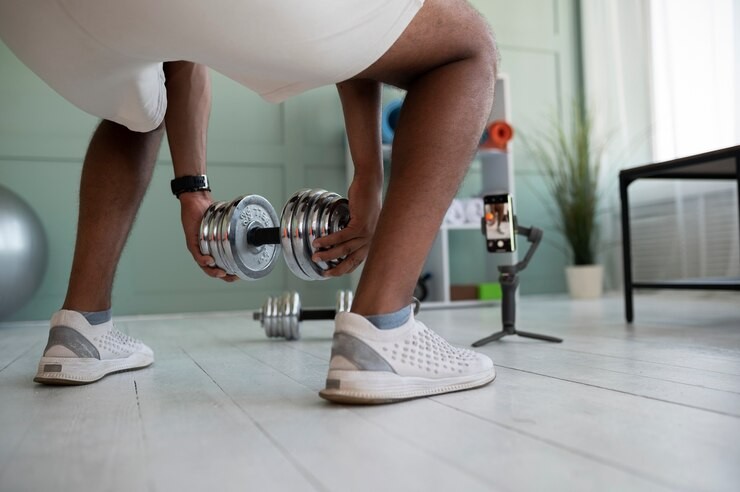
[244, 236]
[281, 316]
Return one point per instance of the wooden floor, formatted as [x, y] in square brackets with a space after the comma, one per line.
[655, 406]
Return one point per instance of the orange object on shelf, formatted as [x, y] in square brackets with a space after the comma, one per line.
[499, 135]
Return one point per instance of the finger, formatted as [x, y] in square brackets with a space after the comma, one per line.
[200, 259]
[207, 264]
[219, 274]
[348, 265]
[341, 236]
[340, 250]
[204, 261]
[214, 272]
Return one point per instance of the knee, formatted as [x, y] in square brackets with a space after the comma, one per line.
[483, 48]
[138, 149]
[126, 133]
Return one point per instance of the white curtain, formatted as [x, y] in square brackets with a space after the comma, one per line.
[694, 65]
[662, 78]
[696, 108]
[616, 74]
[616, 68]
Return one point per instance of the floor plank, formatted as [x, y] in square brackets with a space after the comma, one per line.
[18, 340]
[197, 437]
[457, 437]
[649, 437]
[641, 435]
[333, 443]
[58, 438]
[650, 406]
[635, 378]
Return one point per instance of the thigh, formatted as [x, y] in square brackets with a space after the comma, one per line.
[442, 32]
[92, 76]
[278, 48]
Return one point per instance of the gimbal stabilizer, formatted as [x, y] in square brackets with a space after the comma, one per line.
[509, 282]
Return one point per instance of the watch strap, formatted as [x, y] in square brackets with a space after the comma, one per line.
[186, 184]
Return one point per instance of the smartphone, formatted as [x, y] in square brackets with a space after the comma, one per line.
[498, 223]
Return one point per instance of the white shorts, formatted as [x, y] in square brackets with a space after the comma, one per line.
[105, 56]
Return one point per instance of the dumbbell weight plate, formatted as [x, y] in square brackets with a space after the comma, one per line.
[309, 214]
[297, 221]
[206, 229]
[295, 322]
[268, 315]
[334, 218]
[287, 319]
[286, 234]
[224, 231]
[322, 204]
[213, 235]
[302, 227]
[344, 301]
[222, 238]
[252, 262]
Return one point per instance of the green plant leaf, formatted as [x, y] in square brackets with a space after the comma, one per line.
[570, 161]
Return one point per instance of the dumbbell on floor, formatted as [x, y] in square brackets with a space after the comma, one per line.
[245, 237]
[281, 316]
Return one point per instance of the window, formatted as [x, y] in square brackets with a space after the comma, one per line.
[695, 74]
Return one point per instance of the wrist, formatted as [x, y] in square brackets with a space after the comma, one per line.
[194, 196]
[372, 177]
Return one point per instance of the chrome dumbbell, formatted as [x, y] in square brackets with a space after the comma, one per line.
[245, 237]
[281, 316]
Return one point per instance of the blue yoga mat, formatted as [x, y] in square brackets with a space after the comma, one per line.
[391, 112]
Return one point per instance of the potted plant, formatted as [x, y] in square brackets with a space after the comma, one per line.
[570, 159]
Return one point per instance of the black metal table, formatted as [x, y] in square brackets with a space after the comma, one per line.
[720, 164]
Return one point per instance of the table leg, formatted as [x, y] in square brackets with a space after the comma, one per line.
[626, 249]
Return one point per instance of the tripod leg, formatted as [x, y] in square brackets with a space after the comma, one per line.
[537, 336]
[492, 338]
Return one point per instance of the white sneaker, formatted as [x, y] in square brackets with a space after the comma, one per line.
[80, 353]
[372, 366]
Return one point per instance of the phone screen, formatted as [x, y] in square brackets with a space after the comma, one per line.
[499, 226]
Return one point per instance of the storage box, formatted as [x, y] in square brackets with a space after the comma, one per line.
[489, 291]
[463, 292]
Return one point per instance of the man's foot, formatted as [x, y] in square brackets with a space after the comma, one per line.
[80, 353]
[370, 366]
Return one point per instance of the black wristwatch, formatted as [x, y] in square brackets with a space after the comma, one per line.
[187, 184]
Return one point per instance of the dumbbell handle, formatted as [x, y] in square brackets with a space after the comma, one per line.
[263, 235]
[313, 314]
[306, 314]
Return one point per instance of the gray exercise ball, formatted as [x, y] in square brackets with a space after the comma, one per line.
[23, 252]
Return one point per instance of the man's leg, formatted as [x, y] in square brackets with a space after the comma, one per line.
[83, 344]
[117, 170]
[446, 59]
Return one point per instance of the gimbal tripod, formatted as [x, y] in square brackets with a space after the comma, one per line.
[509, 282]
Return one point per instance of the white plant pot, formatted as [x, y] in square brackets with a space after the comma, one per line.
[585, 281]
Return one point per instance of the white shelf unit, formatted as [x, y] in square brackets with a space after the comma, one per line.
[497, 176]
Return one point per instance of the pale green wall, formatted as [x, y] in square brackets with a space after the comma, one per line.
[255, 147]
[539, 44]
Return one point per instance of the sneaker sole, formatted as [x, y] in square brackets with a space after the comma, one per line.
[374, 388]
[73, 371]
